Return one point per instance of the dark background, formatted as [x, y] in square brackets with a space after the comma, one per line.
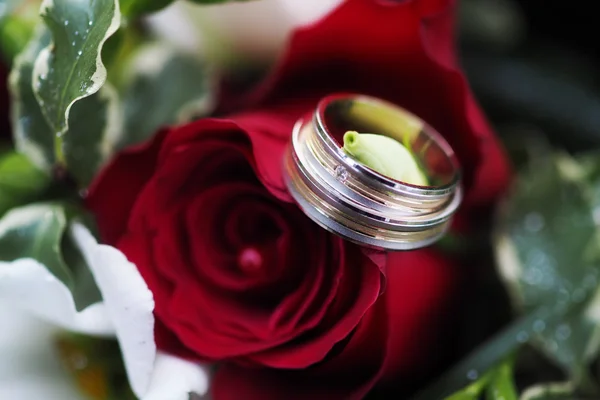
[534, 66]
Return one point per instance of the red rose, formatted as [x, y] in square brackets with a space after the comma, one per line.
[240, 275]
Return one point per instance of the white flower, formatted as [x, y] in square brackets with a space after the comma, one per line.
[126, 312]
[29, 367]
[251, 29]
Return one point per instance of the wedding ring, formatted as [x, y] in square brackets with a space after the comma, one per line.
[354, 201]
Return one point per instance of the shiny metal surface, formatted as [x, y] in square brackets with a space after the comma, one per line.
[354, 201]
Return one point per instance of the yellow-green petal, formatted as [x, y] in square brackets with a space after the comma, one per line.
[384, 155]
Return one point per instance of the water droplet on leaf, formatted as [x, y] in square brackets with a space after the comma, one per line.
[534, 222]
[522, 337]
[539, 326]
[472, 375]
[563, 332]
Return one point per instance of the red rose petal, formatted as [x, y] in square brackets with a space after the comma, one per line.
[346, 376]
[361, 288]
[115, 190]
[420, 283]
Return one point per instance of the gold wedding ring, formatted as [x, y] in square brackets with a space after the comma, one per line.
[358, 203]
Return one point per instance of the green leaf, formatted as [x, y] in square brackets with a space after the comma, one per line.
[38, 231]
[96, 123]
[71, 67]
[134, 8]
[17, 23]
[497, 383]
[176, 86]
[20, 181]
[501, 385]
[548, 253]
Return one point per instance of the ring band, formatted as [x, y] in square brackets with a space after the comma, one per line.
[358, 203]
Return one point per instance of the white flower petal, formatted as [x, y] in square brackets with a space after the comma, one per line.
[129, 304]
[27, 284]
[174, 379]
[255, 29]
[29, 367]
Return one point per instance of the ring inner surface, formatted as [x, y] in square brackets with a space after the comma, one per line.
[431, 152]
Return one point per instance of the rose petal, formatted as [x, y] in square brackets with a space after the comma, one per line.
[348, 375]
[420, 284]
[113, 193]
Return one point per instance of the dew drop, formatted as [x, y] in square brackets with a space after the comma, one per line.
[534, 222]
[79, 52]
[522, 337]
[76, 33]
[90, 23]
[563, 332]
[539, 326]
[552, 346]
[66, 23]
[533, 276]
[73, 44]
[472, 375]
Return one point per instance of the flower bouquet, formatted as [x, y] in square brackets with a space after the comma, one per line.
[279, 200]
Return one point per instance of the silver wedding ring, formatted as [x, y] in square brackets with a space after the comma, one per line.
[356, 202]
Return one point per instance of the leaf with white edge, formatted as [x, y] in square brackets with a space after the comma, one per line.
[71, 67]
[96, 126]
[20, 181]
[175, 85]
[36, 232]
[32, 134]
[27, 284]
[547, 252]
[128, 302]
[550, 391]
